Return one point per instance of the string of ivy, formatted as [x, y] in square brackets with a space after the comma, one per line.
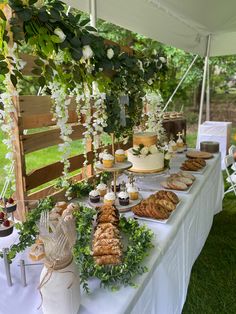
[35, 25]
[113, 277]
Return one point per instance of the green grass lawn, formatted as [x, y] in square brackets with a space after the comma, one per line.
[212, 286]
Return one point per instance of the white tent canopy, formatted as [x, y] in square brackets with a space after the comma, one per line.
[184, 24]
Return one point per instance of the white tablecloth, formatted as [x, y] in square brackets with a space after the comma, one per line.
[163, 289]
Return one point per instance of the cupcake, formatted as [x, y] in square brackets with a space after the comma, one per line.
[133, 192]
[117, 186]
[120, 155]
[94, 196]
[108, 160]
[8, 204]
[109, 198]
[102, 189]
[123, 198]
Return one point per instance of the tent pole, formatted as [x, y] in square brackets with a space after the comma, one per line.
[208, 92]
[93, 12]
[180, 82]
[204, 79]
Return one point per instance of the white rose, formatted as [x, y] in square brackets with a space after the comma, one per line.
[163, 60]
[144, 151]
[87, 52]
[110, 53]
[153, 149]
[60, 34]
[167, 156]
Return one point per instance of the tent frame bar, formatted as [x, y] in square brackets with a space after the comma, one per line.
[205, 71]
[180, 82]
[93, 12]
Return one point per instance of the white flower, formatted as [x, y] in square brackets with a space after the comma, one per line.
[60, 34]
[153, 149]
[110, 53]
[163, 60]
[140, 65]
[150, 82]
[144, 151]
[167, 156]
[39, 4]
[87, 52]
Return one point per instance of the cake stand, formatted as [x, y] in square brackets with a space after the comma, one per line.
[117, 168]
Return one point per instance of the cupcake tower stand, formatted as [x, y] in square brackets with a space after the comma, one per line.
[117, 168]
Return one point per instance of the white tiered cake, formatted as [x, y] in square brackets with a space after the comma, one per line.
[144, 154]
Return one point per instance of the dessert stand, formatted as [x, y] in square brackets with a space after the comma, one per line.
[118, 167]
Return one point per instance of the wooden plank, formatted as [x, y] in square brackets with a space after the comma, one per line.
[53, 171]
[36, 141]
[37, 105]
[51, 190]
[44, 120]
[19, 164]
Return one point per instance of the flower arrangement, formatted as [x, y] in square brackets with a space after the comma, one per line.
[73, 57]
[141, 150]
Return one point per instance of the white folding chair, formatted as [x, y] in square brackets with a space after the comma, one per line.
[229, 161]
[232, 150]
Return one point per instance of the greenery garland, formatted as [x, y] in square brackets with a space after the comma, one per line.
[113, 277]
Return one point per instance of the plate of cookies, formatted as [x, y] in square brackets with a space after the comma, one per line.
[179, 182]
[195, 165]
[158, 207]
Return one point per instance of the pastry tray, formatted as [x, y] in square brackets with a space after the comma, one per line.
[161, 221]
[200, 171]
[121, 208]
[178, 191]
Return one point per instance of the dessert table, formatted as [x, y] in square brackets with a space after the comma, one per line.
[164, 287]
